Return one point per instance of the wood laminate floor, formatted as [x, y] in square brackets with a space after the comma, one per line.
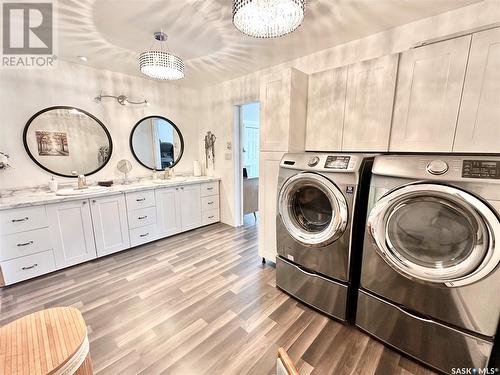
[199, 303]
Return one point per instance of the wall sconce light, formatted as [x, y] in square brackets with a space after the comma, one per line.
[121, 99]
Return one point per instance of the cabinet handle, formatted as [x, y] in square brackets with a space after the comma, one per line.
[93, 201]
[84, 202]
[19, 220]
[211, 202]
[177, 189]
[25, 244]
[144, 235]
[142, 217]
[29, 267]
[140, 199]
[182, 188]
[210, 188]
[211, 217]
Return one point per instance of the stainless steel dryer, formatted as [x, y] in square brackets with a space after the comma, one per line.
[430, 274]
[319, 197]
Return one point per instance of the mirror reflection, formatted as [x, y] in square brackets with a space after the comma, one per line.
[67, 141]
[156, 143]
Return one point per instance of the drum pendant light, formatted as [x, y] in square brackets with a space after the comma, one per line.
[160, 64]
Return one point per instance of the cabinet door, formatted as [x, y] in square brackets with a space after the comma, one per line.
[109, 216]
[478, 128]
[325, 110]
[369, 103]
[168, 211]
[71, 230]
[275, 111]
[428, 92]
[268, 187]
[190, 204]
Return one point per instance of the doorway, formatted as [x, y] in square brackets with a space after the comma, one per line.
[248, 162]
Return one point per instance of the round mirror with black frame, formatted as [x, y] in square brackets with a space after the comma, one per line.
[156, 143]
[67, 141]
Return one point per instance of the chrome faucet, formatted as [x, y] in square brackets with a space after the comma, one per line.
[82, 182]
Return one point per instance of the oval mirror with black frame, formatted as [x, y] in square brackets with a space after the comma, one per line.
[67, 141]
[156, 143]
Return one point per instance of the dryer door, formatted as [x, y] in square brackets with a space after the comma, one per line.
[436, 234]
[313, 209]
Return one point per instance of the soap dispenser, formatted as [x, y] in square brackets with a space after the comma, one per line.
[53, 185]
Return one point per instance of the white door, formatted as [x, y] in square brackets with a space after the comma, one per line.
[190, 204]
[478, 128]
[429, 88]
[251, 148]
[268, 187]
[368, 104]
[109, 216]
[71, 231]
[168, 211]
[325, 110]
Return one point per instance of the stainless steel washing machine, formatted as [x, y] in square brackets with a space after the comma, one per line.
[430, 274]
[319, 198]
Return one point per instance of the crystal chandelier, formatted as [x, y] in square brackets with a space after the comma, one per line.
[268, 18]
[161, 64]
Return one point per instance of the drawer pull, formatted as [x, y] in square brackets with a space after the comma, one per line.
[25, 244]
[140, 199]
[210, 188]
[211, 202]
[19, 220]
[144, 235]
[142, 217]
[211, 217]
[29, 267]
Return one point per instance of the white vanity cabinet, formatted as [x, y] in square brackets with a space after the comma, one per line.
[71, 232]
[190, 206]
[109, 217]
[168, 211]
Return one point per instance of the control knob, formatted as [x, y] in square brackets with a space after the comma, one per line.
[313, 161]
[437, 167]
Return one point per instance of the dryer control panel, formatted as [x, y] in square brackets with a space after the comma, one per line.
[337, 162]
[481, 169]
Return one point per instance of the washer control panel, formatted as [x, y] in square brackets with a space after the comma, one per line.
[437, 167]
[481, 169]
[337, 162]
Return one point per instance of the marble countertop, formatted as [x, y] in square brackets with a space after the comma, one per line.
[27, 199]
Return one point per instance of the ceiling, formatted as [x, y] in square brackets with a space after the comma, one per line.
[112, 33]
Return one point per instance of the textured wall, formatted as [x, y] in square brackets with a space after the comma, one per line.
[24, 92]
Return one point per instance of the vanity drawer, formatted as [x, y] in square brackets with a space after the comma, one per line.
[22, 219]
[210, 203]
[27, 267]
[20, 244]
[209, 188]
[140, 199]
[209, 217]
[142, 235]
[142, 217]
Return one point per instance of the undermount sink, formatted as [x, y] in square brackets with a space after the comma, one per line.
[173, 179]
[89, 190]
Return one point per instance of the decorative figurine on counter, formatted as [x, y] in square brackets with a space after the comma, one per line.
[210, 150]
[4, 161]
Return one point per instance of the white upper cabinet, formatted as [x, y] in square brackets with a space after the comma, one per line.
[478, 128]
[168, 212]
[369, 103]
[325, 110]
[71, 230]
[283, 100]
[109, 216]
[190, 203]
[429, 89]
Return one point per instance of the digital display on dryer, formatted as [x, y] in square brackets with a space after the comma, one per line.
[337, 162]
[481, 169]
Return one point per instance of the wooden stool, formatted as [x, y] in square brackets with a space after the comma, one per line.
[52, 341]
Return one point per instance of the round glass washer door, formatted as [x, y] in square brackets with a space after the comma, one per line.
[435, 233]
[312, 208]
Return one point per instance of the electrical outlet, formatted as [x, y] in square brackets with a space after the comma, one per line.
[228, 156]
